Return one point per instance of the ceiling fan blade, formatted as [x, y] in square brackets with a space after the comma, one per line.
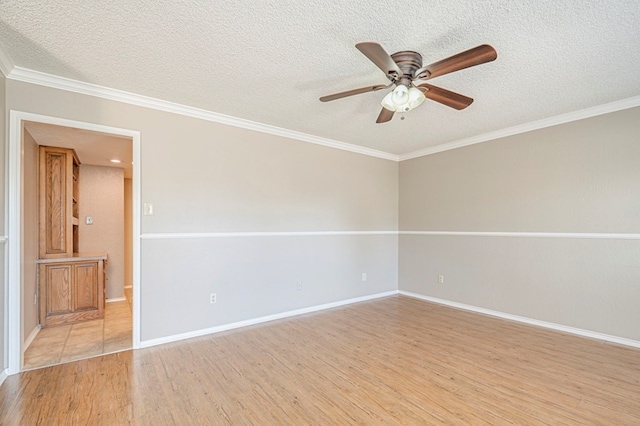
[335, 96]
[446, 97]
[469, 58]
[381, 58]
[385, 115]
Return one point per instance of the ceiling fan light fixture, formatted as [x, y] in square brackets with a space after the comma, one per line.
[387, 102]
[400, 95]
[416, 97]
[413, 99]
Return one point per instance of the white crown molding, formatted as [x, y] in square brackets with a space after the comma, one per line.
[528, 127]
[525, 320]
[183, 235]
[61, 83]
[260, 320]
[6, 64]
[593, 235]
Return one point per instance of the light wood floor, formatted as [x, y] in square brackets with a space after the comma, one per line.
[389, 361]
[54, 345]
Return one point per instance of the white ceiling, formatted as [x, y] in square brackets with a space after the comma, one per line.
[270, 61]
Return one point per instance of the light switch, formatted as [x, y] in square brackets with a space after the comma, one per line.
[148, 209]
[88, 220]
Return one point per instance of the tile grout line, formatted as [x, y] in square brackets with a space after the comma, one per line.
[66, 340]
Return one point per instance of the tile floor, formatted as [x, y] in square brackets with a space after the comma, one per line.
[55, 345]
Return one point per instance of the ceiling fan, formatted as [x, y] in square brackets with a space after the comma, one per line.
[404, 69]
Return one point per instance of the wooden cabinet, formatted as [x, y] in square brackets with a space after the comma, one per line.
[71, 290]
[70, 285]
[59, 174]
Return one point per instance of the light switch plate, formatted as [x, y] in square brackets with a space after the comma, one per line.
[148, 209]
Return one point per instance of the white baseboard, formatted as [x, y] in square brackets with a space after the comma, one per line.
[32, 336]
[3, 375]
[225, 327]
[530, 321]
[116, 299]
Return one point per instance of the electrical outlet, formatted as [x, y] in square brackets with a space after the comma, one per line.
[213, 298]
[441, 279]
[364, 276]
[299, 286]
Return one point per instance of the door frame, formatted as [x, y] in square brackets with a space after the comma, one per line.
[13, 223]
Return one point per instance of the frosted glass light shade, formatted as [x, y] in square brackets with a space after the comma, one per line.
[413, 99]
[387, 102]
[416, 97]
[400, 95]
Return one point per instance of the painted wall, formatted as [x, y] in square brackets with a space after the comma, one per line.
[4, 136]
[128, 232]
[204, 177]
[102, 198]
[579, 177]
[29, 231]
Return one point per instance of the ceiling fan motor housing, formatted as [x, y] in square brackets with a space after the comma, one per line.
[408, 61]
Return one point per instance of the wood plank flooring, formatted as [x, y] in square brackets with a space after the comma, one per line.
[389, 361]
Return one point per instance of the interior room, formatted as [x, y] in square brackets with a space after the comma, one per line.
[324, 213]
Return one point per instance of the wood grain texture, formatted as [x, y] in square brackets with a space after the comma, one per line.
[71, 291]
[57, 186]
[86, 289]
[390, 361]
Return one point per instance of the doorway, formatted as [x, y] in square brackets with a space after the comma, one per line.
[51, 131]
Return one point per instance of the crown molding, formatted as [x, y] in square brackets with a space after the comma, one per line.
[6, 64]
[62, 83]
[528, 127]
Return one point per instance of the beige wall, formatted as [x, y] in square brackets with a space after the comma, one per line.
[29, 234]
[102, 197]
[579, 177]
[4, 119]
[205, 177]
[128, 232]
[576, 177]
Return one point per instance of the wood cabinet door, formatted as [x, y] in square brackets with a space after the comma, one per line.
[85, 286]
[56, 180]
[58, 289]
[71, 292]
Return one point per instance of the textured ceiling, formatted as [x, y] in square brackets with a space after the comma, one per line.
[269, 61]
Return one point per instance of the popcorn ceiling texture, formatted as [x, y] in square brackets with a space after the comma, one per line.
[269, 62]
